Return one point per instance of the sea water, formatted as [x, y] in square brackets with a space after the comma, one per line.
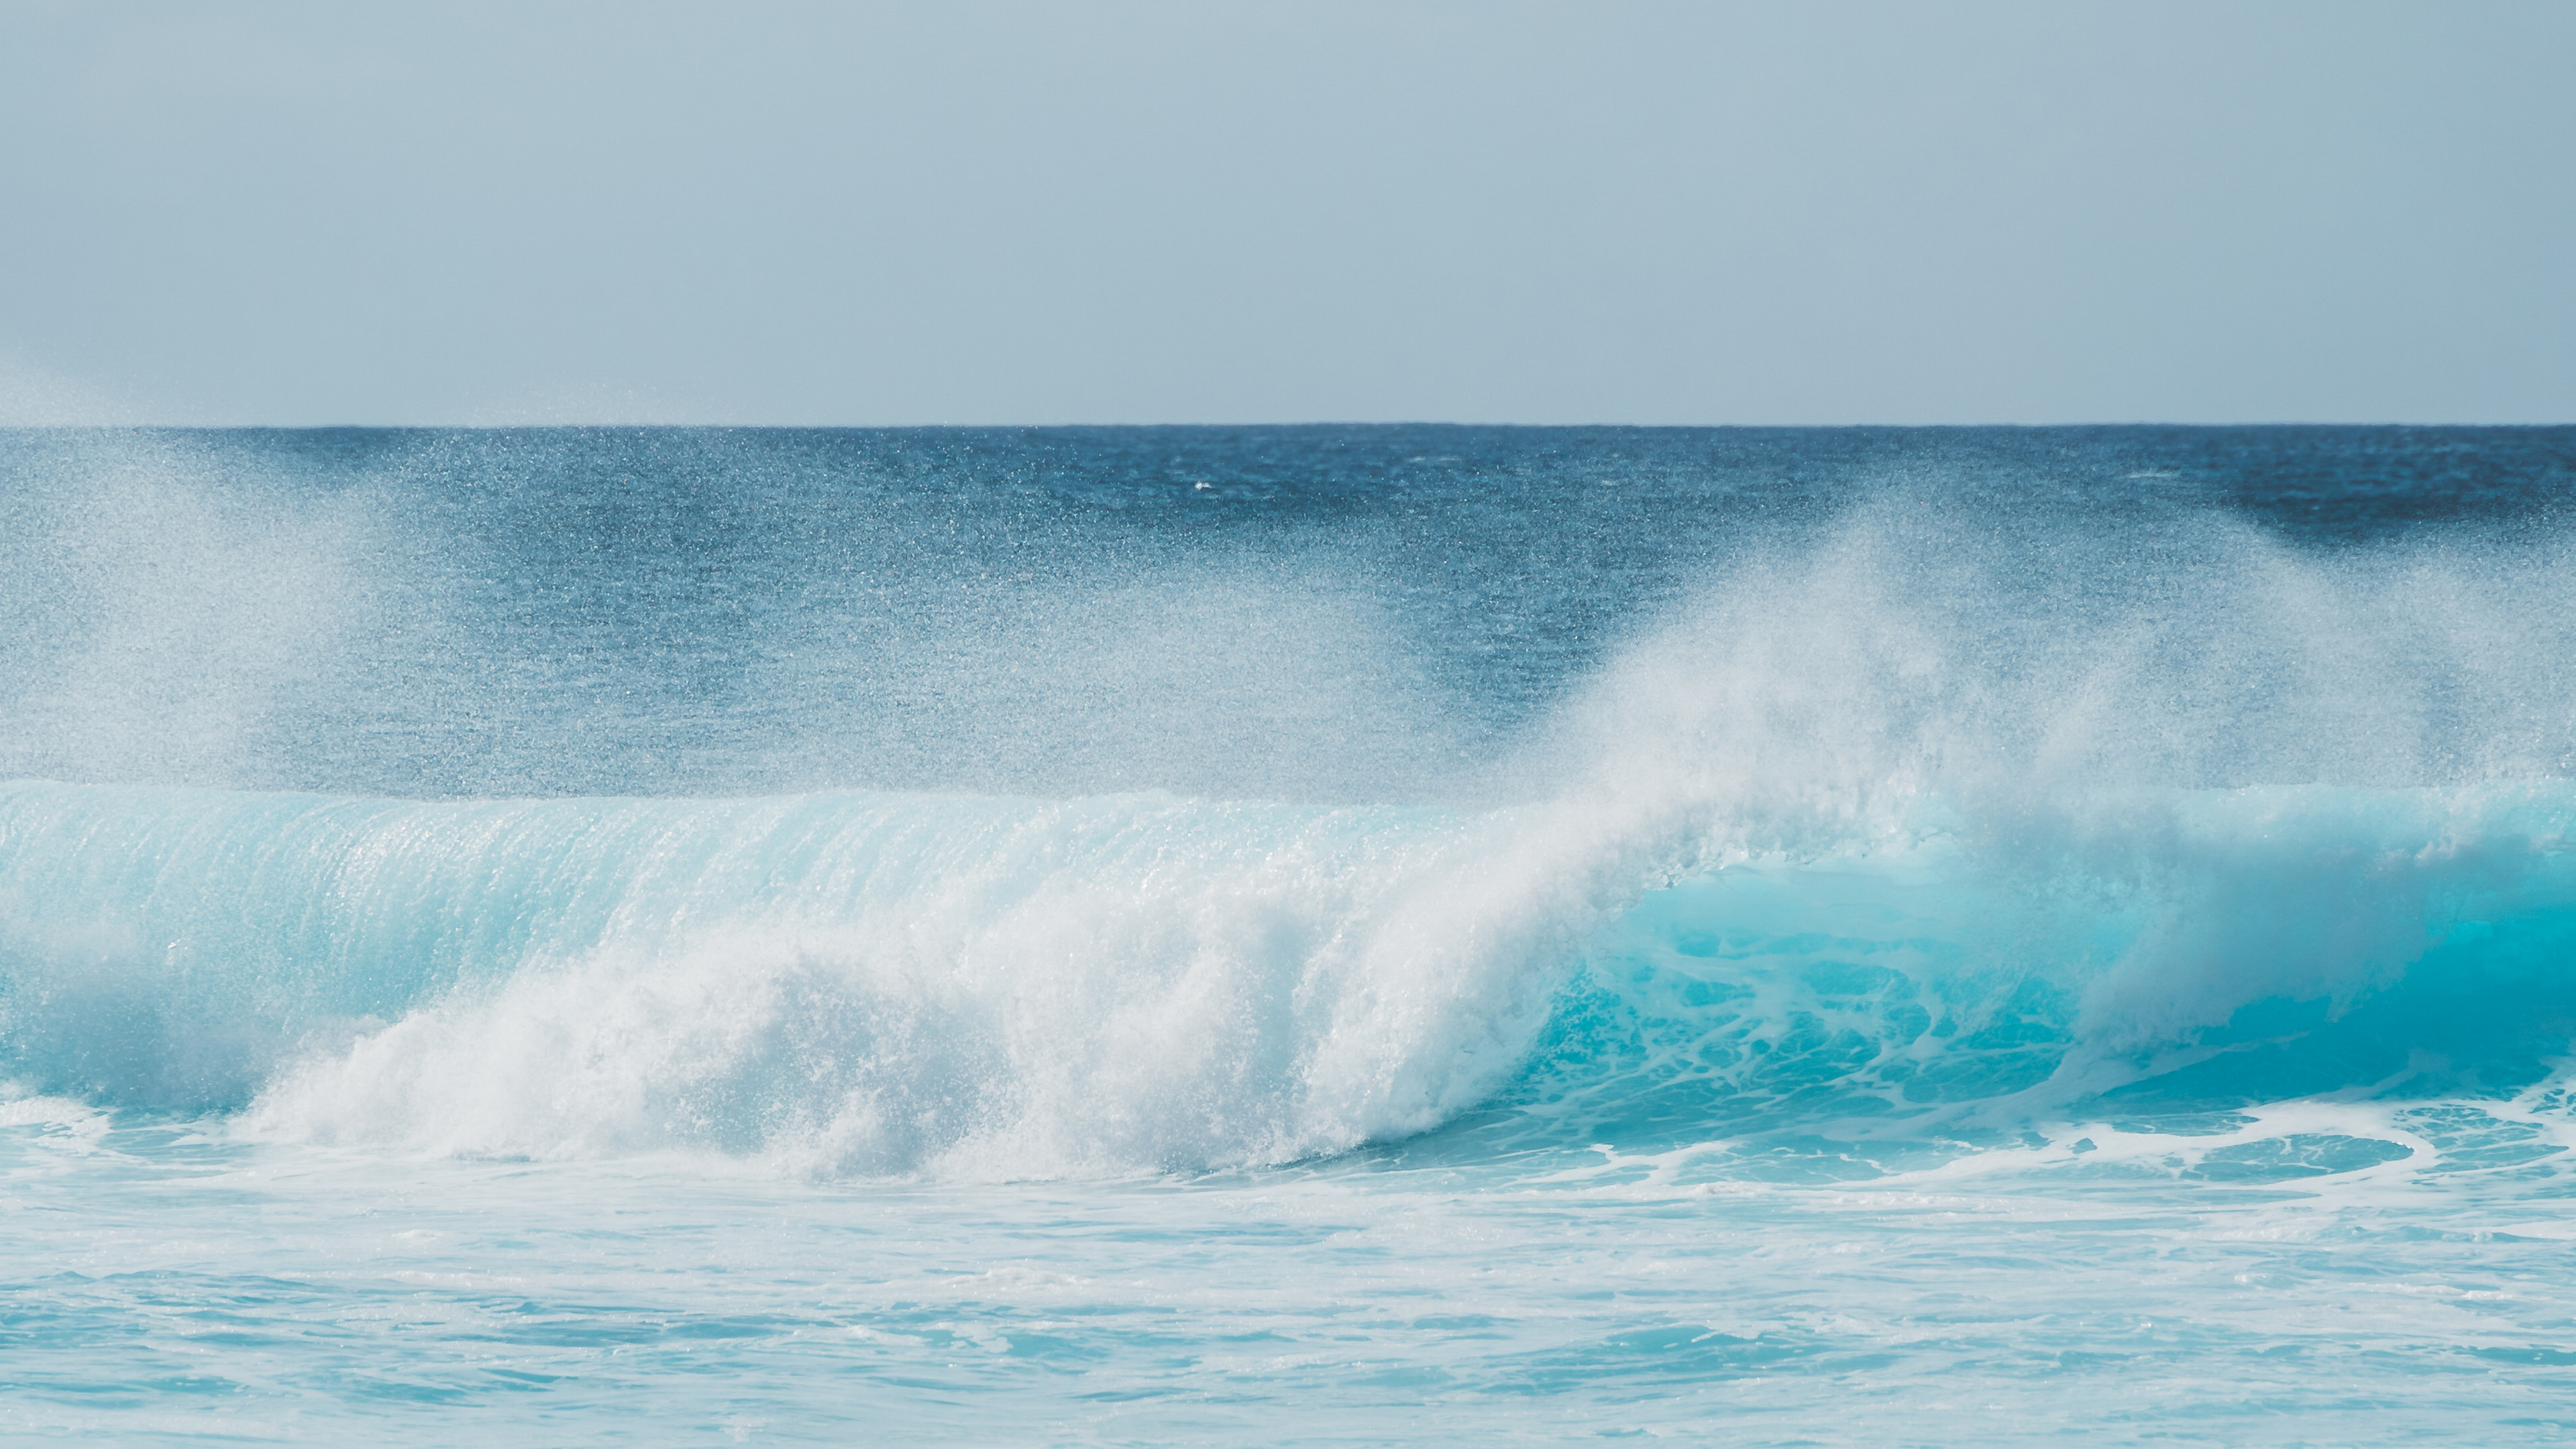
[1288, 936]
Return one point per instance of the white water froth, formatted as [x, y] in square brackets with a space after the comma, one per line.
[986, 989]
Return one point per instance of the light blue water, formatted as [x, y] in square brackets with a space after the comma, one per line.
[1807, 938]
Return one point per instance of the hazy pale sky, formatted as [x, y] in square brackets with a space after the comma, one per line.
[1122, 212]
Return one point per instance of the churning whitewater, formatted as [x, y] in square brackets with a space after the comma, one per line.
[1105, 934]
[876, 984]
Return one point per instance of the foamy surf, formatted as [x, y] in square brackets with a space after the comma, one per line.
[872, 984]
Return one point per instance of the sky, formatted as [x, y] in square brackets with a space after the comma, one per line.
[1115, 212]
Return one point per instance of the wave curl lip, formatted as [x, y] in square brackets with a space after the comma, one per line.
[850, 983]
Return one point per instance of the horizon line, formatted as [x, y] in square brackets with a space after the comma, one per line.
[1319, 424]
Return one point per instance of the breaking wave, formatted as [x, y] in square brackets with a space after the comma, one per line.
[856, 983]
[1907, 832]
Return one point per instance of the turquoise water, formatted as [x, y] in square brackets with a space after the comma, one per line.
[1808, 938]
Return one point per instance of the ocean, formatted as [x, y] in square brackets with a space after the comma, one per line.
[1288, 936]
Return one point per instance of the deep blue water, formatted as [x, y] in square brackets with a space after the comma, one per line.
[1288, 935]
